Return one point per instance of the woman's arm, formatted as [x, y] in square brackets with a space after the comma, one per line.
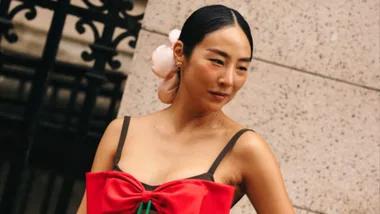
[262, 179]
[104, 157]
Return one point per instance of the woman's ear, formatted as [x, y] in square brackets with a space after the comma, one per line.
[178, 53]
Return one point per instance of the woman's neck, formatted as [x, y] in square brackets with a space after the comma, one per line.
[186, 115]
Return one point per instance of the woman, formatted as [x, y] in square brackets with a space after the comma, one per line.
[190, 158]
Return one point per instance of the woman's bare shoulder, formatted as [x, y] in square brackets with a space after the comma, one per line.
[249, 144]
[255, 157]
[233, 125]
[146, 119]
[115, 125]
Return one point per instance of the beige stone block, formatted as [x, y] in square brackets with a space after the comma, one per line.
[244, 207]
[302, 211]
[140, 91]
[324, 133]
[337, 39]
[163, 16]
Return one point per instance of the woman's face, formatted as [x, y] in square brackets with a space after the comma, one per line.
[217, 68]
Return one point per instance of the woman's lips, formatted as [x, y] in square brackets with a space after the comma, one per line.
[219, 95]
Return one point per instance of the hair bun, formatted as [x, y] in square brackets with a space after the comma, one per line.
[174, 36]
[164, 67]
[163, 61]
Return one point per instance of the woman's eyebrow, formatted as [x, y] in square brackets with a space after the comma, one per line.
[219, 52]
[225, 55]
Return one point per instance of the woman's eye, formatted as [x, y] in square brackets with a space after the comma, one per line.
[242, 68]
[218, 61]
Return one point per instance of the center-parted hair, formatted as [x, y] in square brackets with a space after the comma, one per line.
[207, 20]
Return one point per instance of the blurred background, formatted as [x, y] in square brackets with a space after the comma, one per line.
[68, 67]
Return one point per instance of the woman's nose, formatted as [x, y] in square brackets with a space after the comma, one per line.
[227, 77]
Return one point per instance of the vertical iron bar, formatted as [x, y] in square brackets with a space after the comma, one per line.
[114, 99]
[48, 193]
[21, 90]
[95, 79]
[34, 105]
[69, 110]
[71, 105]
[4, 7]
[1, 168]
[30, 175]
[54, 96]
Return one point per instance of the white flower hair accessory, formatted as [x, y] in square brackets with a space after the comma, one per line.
[164, 67]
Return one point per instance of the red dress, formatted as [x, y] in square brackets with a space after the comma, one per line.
[118, 192]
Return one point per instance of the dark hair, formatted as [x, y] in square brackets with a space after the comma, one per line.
[207, 20]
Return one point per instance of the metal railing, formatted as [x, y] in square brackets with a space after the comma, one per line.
[39, 133]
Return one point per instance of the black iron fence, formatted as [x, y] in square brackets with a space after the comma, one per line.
[43, 133]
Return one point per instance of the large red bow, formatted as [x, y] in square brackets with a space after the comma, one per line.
[123, 194]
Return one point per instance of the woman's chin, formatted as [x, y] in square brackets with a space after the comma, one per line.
[213, 107]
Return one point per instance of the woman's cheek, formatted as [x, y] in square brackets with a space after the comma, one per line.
[240, 81]
[206, 71]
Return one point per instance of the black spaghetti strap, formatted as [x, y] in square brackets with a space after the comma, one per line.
[226, 149]
[123, 136]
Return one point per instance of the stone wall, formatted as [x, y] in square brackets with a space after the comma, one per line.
[313, 93]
